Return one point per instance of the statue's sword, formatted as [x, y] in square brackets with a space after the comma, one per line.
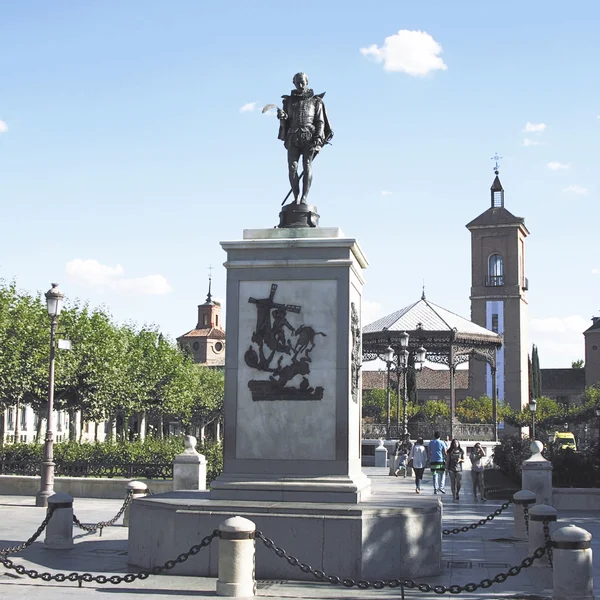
[267, 108]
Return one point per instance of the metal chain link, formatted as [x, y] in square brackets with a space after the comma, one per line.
[364, 584]
[479, 523]
[526, 516]
[114, 579]
[548, 541]
[35, 536]
[102, 524]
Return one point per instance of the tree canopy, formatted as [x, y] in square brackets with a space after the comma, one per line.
[111, 370]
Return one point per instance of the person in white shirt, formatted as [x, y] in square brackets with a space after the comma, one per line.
[418, 456]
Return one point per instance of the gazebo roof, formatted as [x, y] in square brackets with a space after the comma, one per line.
[447, 337]
[427, 316]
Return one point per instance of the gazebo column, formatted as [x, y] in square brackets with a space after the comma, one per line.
[494, 402]
[452, 391]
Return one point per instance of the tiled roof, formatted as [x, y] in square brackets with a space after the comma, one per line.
[212, 333]
[495, 216]
[427, 379]
[431, 317]
[562, 379]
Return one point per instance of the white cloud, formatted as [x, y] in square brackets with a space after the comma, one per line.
[595, 271]
[534, 127]
[386, 193]
[530, 142]
[413, 52]
[95, 274]
[557, 166]
[570, 324]
[92, 272]
[576, 189]
[371, 311]
[3, 126]
[249, 107]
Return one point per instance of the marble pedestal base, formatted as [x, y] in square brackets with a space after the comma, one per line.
[368, 540]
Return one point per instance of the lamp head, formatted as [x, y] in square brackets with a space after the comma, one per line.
[54, 301]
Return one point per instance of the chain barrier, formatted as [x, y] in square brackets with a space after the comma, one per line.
[365, 584]
[479, 523]
[114, 579]
[35, 536]
[548, 541]
[102, 524]
[526, 517]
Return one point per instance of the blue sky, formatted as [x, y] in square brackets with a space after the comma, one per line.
[125, 156]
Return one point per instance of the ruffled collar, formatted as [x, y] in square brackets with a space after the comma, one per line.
[304, 94]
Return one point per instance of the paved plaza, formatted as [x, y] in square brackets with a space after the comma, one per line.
[467, 557]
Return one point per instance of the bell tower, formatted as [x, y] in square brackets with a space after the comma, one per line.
[499, 297]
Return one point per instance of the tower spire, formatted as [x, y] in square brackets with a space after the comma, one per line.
[209, 295]
[497, 189]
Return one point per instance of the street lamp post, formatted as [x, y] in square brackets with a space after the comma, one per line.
[532, 408]
[54, 301]
[389, 360]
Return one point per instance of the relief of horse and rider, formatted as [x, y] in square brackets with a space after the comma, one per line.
[281, 349]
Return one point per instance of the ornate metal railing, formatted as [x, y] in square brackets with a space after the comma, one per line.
[463, 431]
[91, 469]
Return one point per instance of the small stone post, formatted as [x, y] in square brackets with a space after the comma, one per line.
[393, 463]
[236, 558]
[381, 455]
[189, 467]
[138, 489]
[539, 513]
[537, 474]
[573, 571]
[523, 498]
[59, 531]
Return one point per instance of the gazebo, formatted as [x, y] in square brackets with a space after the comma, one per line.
[448, 339]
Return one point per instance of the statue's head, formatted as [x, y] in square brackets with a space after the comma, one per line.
[300, 81]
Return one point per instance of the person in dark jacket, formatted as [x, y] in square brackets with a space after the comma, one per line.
[454, 460]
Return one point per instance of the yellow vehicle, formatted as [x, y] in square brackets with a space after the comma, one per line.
[564, 440]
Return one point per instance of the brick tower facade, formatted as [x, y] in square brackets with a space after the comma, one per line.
[499, 298]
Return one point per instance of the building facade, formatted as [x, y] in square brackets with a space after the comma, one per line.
[499, 298]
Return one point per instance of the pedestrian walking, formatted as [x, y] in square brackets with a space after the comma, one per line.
[437, 459]
[454, 461]
[477, 467]
[418, 459]
[403, 450]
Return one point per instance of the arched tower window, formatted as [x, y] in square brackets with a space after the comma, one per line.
[495, 275]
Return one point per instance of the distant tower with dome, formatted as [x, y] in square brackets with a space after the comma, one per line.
[206, 342]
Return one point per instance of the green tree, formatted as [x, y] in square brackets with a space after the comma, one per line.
[536, 373]
[577, 364]
[480, 410]
[434, 409]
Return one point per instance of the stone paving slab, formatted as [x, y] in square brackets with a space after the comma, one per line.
[467, 557]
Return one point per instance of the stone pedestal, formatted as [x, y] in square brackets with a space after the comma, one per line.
[292, 378]
[573, 573]
[524, 500]
[59, 531]
[538, 515]
[537, 475]
[189, 468]
[381, 455]
[371, 540]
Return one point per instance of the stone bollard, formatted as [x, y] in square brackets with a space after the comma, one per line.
[189, 468]
[537, 474]
[573, 569]
[236, 558]
[523, 498]
[381, 455]
[138, 489]
[59, 531]
[539, 513]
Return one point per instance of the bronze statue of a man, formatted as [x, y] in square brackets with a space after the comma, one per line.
[304, 129]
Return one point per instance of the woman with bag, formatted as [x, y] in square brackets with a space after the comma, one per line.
[418, 461]
[454, 459]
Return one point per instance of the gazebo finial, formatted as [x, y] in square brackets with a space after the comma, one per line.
[423, 292]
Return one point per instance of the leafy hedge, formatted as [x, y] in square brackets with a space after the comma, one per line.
[152, 451]
[569, 469]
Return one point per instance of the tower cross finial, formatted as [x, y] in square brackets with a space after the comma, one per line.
[209, 295]
[496, 166]
[423, 292]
